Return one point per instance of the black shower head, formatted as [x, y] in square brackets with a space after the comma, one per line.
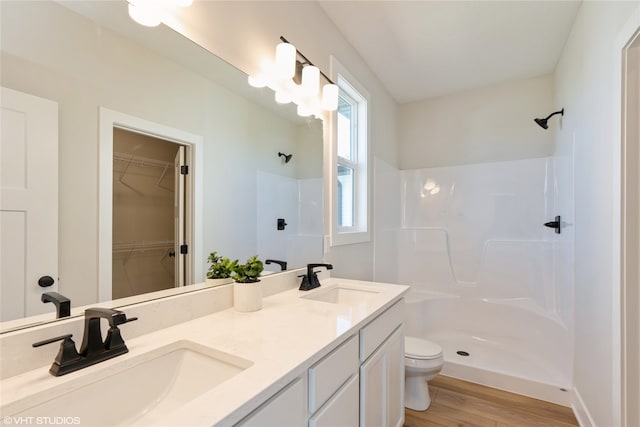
[543, 122]
[287, 157]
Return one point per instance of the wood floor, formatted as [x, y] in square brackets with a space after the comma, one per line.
[464, 404]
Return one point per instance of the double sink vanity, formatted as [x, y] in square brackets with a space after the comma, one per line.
[326, 357]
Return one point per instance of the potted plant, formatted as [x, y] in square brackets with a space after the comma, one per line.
[220, 270]
[247, 292]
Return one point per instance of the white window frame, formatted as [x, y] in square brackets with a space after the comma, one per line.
[360, 232]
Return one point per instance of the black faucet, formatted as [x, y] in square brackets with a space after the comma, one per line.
[93, 350]
[62, 303]
[310, 280]
[282, 264]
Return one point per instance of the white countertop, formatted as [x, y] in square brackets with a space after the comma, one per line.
[283, 339]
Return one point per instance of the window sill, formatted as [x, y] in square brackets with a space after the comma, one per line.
[350, 238]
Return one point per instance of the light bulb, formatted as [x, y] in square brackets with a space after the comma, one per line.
[144, 13]
[304, 111]
[256, 81]
[310, 80]
[283, 97]
[286, 60]
[330, 97]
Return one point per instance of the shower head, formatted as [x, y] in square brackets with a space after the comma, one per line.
[286, 157]
[543, 122]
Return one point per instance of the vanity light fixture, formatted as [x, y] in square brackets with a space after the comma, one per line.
[297, 81]
[151, 13]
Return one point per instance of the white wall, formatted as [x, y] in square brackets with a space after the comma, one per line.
[584, 87]
[387, 204]
[489, 124]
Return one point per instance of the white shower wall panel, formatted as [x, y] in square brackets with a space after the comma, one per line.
[477, 207]
[486, 274]
[299, 203]
[477, 203]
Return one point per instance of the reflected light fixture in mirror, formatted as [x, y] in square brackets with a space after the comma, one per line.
[280, 76]
[151, 13]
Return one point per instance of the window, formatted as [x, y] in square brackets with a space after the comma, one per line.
[349, 173]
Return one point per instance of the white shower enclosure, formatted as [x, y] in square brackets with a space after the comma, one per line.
[490, 283]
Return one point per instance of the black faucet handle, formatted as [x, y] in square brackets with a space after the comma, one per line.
[52, 340]
[67, 354]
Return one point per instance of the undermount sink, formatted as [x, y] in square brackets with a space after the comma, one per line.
[342, 294]
[146, 390]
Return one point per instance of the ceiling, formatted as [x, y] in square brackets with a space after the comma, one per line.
[424, 49]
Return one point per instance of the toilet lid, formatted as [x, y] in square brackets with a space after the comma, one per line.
[417, 348]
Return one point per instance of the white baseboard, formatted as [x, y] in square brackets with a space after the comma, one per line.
[580, 410]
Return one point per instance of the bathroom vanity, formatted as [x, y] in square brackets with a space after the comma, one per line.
[331, 356]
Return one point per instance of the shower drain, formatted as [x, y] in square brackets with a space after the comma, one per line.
[462, 353]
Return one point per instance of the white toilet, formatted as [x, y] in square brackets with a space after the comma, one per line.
[422, 362]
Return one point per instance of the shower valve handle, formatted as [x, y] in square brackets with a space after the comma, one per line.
[554, 224]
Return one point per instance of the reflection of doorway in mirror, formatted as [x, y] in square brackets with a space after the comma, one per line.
[29, 212]
[110, 120]
[148, 213]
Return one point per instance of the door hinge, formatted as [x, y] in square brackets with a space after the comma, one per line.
[184, 249]
[184, 170]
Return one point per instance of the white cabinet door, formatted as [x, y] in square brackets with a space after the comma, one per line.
[382, 385]
[28, 202]
[395, 379]
[285, 409]
[341, 410]
[372, 390]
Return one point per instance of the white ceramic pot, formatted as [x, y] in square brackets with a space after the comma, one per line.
[247, 296]
[219, 282]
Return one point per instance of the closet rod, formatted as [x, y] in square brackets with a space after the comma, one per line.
[142, 161]
[129, 247]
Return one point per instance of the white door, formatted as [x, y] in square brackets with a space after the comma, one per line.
[28, 202]
[179, 215]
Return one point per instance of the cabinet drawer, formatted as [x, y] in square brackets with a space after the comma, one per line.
[374, 334]
[342, 410]
[326, 376]
[285, 409]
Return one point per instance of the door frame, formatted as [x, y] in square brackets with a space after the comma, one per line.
[108, 119]
[626, 322]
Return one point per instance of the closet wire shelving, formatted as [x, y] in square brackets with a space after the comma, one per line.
[131, 159]
[168, 246]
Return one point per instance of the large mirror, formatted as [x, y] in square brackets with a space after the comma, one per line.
[131, 107]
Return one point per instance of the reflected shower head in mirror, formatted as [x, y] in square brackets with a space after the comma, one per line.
[543, 122]
[286, 157]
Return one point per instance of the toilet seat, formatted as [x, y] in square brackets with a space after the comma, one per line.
[417, 348]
